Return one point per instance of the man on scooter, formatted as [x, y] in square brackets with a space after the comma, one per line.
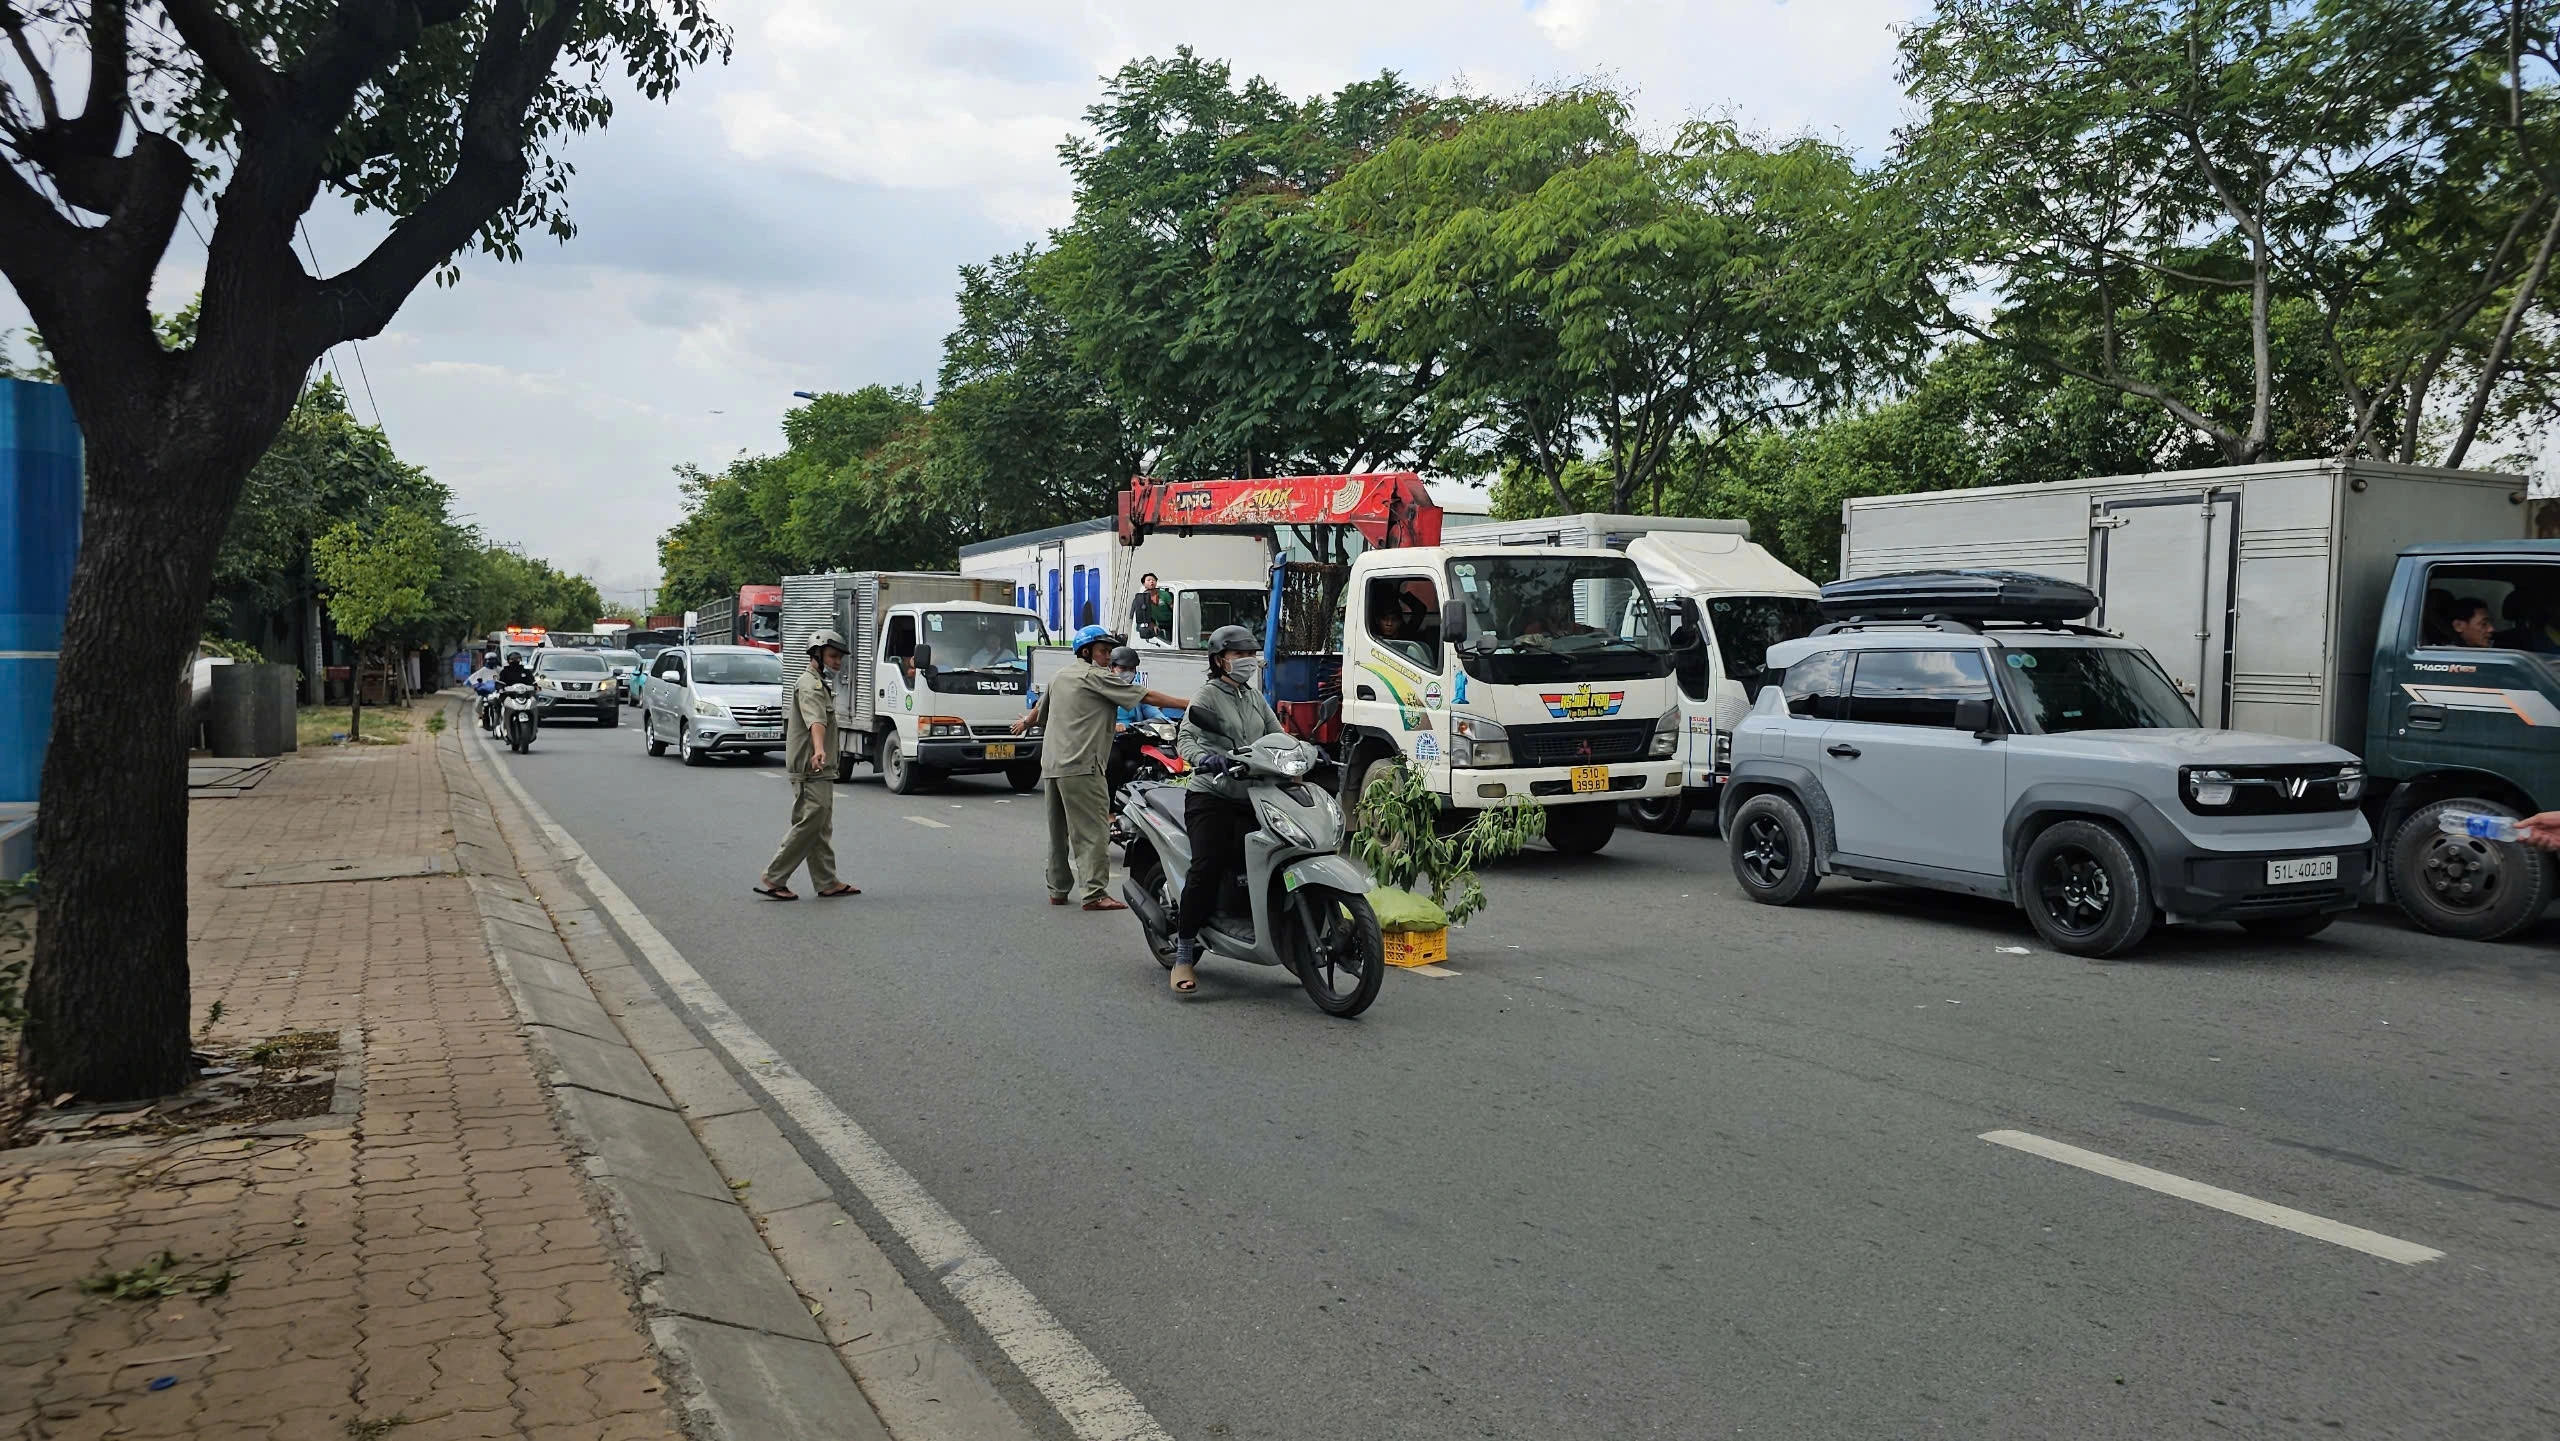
[1228, 715]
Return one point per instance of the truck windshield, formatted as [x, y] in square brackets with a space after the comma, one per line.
[978, 640]
[765, 623]
[2059, 688]
[1199, 613]
[732, 668]
[1747, 625]
[1541, 618]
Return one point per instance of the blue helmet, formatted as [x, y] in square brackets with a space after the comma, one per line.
[1089, 635]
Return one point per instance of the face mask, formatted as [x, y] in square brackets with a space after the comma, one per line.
[1244, 670]
[1127, 677]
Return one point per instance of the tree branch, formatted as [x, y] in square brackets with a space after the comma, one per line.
[253, 87]
[2496, 360]
[16, 25]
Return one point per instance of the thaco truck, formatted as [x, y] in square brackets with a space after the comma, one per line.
[1496, 672]
[1710, 580]
[2315, 600]
[938, 669]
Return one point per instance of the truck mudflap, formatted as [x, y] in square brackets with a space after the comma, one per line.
[1340, 872]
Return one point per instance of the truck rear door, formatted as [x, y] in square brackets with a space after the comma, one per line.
[2164, 570]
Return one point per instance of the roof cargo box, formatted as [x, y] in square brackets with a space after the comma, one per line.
[1968, 595]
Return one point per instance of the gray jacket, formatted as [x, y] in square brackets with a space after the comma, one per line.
[1223, 719]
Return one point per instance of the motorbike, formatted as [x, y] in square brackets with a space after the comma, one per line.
[486, 707]
[1300, 904]
[1143, 751]
[521, 719]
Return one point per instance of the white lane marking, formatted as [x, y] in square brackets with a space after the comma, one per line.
[923, 821]
[2318, 1228]
[1095, 1405]
[1432, 971]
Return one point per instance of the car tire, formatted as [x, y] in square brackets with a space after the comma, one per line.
[649, 741]
[686, 750]
[610, 716]
[1581, 830]
[1662, 815]
[2289, 928]
[2457, 886]
[1023, 778]
[1771, 850]
[2082, 885]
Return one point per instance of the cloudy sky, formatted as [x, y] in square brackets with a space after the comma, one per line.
[793, 221]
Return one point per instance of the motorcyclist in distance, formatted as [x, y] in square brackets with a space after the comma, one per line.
[1228, 715]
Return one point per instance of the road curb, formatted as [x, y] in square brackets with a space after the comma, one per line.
[673, 1141]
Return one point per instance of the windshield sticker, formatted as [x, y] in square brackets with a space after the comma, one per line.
[2021, 660]
[2532, 707]
[1582, 703]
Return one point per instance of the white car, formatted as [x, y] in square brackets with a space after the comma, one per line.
[708, 700]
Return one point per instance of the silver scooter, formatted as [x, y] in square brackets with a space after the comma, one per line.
[520, 717]
[1306, 906]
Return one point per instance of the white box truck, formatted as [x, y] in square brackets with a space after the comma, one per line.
[1080, 574]
[936, 672]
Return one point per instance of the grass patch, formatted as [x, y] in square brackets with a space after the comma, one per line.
[162, 1276]
[435, 723]
[315, 725]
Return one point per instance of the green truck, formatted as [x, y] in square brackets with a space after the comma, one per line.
[2319, 601]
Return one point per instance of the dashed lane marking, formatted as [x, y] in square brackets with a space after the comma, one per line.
[2318, 1228]
[1433, 971]
[925, 821]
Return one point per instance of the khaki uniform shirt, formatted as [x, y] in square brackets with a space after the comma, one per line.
[809, 702]
[1076, 715]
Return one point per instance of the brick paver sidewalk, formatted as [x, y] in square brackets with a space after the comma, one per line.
[434, 1272]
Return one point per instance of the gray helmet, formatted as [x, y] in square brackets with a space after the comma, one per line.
[1233, 639]
[826, 639]
[1124, 658]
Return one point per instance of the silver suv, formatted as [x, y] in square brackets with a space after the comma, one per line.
[2046, 764]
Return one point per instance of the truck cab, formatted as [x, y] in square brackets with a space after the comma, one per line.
[1502, 673]
[2463, 714]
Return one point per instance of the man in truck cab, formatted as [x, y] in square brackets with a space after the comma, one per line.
[1228, 715]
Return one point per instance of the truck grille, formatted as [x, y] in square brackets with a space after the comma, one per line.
[996, 732]
[1577, 743]
[757, 716]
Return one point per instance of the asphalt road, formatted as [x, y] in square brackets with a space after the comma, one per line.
[1657, 1161]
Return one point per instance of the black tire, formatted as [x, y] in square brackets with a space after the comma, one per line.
[903, 776]
[2289, 928]
[844, 759]
[686, 750]
[1146, 872]
[1771, 849]
[2083, 886]
[1581, 830]
[1355, 784]
[1343, 966]
[610, 716]
[649, 736]
[2473, 890]
[1662, 815]
[1024, 778]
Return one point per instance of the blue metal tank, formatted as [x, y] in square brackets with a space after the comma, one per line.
[39, 535]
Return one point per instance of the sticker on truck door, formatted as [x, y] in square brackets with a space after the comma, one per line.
[2530, 706]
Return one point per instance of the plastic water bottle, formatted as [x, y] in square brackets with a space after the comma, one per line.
[2475, 825]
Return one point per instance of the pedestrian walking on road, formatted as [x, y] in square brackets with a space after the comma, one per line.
[1076, 715]
[808, 714]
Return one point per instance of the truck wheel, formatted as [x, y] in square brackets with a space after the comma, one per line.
[1663, 815]
[904, 777]
[2474, 890]
[844, 757]
[649, 737]
[1023, 778]
[686, 750]
[2083, 887]
[1772, 851]
[1581, 830]
[1356, 785]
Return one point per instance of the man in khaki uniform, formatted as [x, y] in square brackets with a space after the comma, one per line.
[1076, 714]
[808, 717]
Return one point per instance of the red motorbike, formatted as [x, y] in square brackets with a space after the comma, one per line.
[1142, 751]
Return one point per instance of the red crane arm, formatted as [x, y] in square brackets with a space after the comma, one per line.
[1391, 508]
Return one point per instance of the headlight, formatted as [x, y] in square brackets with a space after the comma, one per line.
[1477, 742]
[711, 709]
[2209, 788]
[1285, 828]
[2350, 782]
[1666, 735]
[942, 727]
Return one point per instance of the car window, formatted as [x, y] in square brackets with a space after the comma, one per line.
[1814, 686]
[737, 668]
[2057, 688]
[670, 666]
[571, 662]
[621, 658]
[1916, 687]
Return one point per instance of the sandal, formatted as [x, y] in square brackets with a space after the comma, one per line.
[1186, 979]
[841, 889]
[777, 893]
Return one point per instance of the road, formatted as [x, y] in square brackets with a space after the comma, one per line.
[1656, 1161]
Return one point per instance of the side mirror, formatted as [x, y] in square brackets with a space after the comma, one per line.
[924, 657]
[1687, 638]
[1978, 717]
[1457, 622]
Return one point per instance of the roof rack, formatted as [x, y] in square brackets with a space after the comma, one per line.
[1953, 626]
[1969, 596]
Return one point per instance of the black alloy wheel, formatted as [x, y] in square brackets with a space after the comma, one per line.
[2084, 888]
[1772, 850]
[1336, 948]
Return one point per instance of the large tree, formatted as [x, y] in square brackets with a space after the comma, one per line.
[440, 114]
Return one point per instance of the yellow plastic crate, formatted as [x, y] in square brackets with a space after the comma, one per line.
[1417, 948]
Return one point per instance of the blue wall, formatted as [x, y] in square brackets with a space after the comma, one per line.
[39, 535]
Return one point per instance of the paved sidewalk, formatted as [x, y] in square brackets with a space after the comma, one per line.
[436, 1270]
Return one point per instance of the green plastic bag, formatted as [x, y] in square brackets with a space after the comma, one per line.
[1404, 911]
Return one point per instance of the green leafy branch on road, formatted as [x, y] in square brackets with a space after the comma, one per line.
[1401, 841]
[159, 1277]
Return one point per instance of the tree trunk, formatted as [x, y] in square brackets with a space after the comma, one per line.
[107, 999]
[355, 697]
[315, 675]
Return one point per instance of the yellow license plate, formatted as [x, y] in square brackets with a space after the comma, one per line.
[999, 750]
[1590, 778]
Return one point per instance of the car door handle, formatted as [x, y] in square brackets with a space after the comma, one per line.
[2427, 717]
[1844, 752]
[1365, 693]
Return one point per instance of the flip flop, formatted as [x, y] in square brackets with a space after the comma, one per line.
[840, 890]
[1186, 980]
[777, 893]
[1104, 903]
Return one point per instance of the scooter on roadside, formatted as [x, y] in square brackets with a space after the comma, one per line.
[1301, 904]
[520, 720]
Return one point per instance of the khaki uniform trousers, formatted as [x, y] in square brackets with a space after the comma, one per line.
[811, 838]
[1079, 836]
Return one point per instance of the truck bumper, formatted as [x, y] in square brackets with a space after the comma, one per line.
[1553, 785]
[2199, 885]
[963, 757]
